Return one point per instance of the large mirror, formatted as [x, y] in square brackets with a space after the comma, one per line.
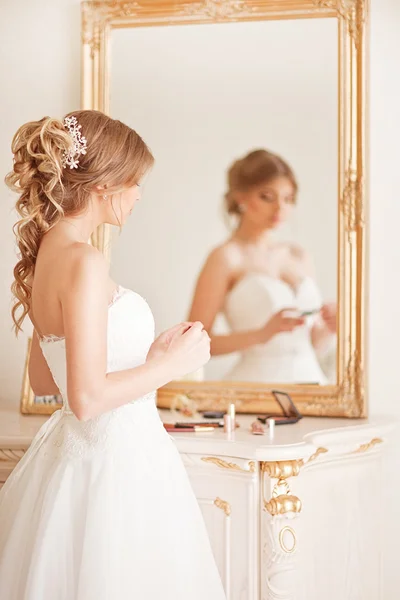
[251, 220]
[244, 131]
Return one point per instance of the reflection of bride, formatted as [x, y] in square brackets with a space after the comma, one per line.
[264, 287]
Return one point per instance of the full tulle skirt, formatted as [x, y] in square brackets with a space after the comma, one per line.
[104, 510]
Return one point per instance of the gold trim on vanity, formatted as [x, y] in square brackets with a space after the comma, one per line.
[283, 505]
[223, 464]
[223, 505]
[283, 501]
[282, 540]
[317, 453]
[284, 469]
[368, 446]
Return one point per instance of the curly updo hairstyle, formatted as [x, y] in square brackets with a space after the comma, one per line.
[116, 157]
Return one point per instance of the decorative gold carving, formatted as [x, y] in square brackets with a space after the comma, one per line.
[93, 41]
[282, 469]
[317, 453]
[223, 505]
[13, 456]
[282, 543]
[353, 13]
[283, 504]
[218, 10]
[351, 203]
[282, 500]
[351, 392]
[222, 464]
[365, 447]
[96, 15]
[280, 487]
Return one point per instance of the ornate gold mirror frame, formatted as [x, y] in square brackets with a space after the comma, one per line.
[99, 18]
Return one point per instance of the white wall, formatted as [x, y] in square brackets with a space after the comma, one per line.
[39, 50]
[383, 322]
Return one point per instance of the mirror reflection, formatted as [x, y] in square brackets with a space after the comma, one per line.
[242, 120]
[266, 289]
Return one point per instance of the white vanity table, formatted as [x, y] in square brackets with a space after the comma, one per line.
[293, 518]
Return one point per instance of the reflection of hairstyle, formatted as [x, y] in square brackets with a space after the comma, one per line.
[116, 158]
[256, 168]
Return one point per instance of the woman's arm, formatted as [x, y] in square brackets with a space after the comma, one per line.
[209, 297]
[91, 390]
[40, 377]
[208, 300]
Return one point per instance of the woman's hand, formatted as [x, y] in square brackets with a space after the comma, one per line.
[281, 322]
[329, 316]
[161, 344]
[186, 348]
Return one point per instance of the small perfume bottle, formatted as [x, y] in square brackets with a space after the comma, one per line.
[232, 414]
[228, 423]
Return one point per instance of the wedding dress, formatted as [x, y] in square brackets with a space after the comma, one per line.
[288, 357]
[103, 509]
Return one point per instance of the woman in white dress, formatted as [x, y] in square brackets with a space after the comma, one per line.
[100, 507]
[264, 287]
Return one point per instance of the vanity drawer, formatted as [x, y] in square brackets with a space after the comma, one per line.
[228, 497]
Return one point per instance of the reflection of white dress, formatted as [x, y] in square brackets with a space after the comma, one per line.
[288, 357]
[103, 509]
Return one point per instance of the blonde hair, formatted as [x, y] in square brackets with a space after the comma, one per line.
[116, 158]
[256, 168]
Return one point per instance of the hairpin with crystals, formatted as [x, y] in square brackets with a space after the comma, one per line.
[71, 158]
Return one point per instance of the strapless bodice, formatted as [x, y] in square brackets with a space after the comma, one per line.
[130, 333]
[288, 357]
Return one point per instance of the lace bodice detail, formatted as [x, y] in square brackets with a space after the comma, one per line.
[129, 336]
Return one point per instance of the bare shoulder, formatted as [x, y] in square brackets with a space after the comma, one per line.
[83, 262]
[85, 256]
[228, 255]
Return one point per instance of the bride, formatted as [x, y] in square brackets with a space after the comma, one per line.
[266, 289]
[100, 507]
